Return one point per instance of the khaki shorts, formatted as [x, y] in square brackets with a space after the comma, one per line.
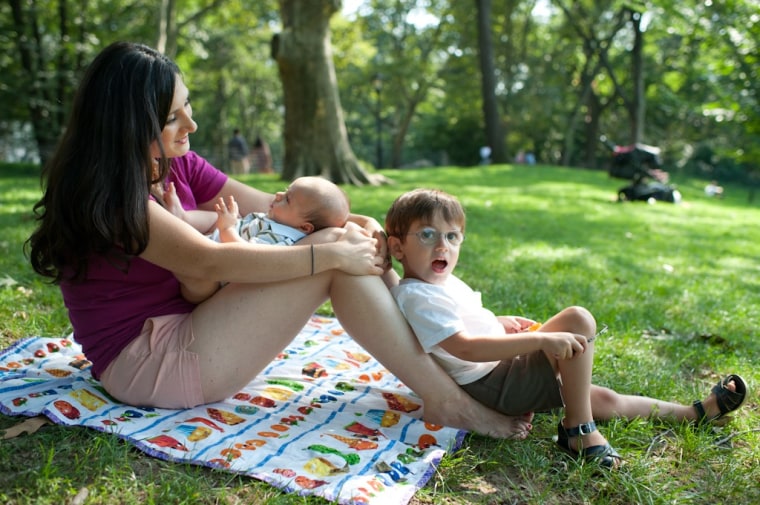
[156, 369]
[526, 383]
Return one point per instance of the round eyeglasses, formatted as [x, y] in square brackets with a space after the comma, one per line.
[428, 236]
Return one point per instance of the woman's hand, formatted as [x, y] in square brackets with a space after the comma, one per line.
[358, 252]
[375, 230]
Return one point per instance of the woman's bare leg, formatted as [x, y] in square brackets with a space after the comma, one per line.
[240, 329]
[368, 312]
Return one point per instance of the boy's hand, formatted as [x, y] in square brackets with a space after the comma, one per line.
[563, 345]
[515, 324]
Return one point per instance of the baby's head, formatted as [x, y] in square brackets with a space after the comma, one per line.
[310, 204]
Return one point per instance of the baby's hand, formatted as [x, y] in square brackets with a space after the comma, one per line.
[171, 200]
[227, 212]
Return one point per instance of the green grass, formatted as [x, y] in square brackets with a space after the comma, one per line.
[677, 285]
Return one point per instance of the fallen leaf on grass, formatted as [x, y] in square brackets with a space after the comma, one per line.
[28, 426]
[6, 281]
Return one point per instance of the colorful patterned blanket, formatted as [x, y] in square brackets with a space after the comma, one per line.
[323, 419]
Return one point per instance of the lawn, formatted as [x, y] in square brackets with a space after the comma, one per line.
[676, 284]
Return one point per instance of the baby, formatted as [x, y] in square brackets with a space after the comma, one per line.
[309, 204]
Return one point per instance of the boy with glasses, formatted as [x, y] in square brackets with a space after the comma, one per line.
[509, 363]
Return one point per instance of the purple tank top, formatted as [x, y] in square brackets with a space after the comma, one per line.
[108, 309]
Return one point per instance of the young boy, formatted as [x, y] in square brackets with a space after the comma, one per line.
[498, 360]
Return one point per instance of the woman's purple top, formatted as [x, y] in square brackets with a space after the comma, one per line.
[108, 309]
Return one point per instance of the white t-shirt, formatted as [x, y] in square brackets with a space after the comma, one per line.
[436, 312]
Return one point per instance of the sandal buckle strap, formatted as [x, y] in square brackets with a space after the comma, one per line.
[581, 429]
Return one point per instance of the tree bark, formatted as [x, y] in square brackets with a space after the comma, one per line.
[315, 138]
[49, 84]
[639, 91]
[494, 131]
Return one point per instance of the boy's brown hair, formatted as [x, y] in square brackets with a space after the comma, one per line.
[422, 204]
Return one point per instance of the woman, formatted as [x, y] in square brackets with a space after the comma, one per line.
[118, 256]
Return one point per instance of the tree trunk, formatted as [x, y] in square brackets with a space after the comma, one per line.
[47, 75]
[639, 98]
[494, 134]
[166, 42]
[315, 138]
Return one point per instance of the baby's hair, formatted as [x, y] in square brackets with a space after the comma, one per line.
[331, 207]
[422, 204]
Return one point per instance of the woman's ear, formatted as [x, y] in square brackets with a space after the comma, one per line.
[395, 248]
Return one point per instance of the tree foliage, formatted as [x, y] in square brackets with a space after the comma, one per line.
[563, 73]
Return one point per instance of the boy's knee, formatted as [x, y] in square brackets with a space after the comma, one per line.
[581, 319]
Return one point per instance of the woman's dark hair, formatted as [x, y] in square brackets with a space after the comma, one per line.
[97, 183]
[423, 205]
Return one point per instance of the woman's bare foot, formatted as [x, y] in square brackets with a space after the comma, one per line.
[465, 413]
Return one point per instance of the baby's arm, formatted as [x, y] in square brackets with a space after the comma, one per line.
[227, 214]
[201, 220]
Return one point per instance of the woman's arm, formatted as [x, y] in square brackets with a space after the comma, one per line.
[249, 199]
[201, 220]
[197, 290]
[176, 246]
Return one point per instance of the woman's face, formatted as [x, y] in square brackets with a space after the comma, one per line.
[179, 125]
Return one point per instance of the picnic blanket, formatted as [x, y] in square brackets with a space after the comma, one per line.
[324, 418]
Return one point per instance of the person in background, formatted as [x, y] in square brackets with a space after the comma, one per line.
[262, 157]
[714, 190]
[485, 155]
[238, 152]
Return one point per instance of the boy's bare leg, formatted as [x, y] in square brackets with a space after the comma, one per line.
[575, 374]
[607, 404]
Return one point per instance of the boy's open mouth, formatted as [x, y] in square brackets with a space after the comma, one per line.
[439, 266]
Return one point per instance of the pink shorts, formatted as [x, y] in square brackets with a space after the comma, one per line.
[156, 369]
